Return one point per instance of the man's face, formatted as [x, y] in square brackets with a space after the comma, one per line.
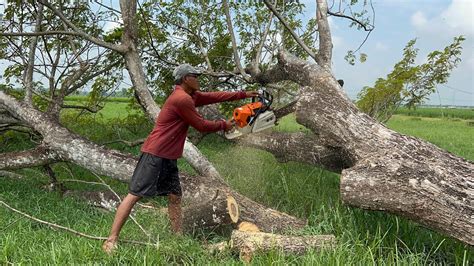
[192, 81]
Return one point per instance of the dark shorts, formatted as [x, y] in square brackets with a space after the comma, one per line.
[155, 176]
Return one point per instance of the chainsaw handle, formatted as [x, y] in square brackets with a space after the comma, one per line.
[264, 97]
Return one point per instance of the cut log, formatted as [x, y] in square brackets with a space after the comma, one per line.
[198, 188]
[247, 243]
[247, 227]
[220, 210]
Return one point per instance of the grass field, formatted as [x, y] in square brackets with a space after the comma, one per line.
[364, 237]
[465, 113]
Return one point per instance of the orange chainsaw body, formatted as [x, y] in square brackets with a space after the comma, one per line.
[242, 115]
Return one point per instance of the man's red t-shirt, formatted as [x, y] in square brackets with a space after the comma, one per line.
[179, 111]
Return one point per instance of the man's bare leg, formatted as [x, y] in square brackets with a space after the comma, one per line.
[174, 212]
[123, 211]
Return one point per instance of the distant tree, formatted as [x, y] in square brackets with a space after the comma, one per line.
[409, 84]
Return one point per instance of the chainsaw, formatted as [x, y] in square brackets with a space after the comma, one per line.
[253, 117]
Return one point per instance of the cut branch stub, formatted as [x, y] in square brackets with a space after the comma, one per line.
[220, 210]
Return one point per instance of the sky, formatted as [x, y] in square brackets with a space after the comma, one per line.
[434, 23]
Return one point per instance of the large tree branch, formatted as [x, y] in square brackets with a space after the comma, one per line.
[258, 54]
[325, 43]
[289, 68]
[40, 33]
[288, 28]
[28, 76]
[230, 28]
[38, 156]
[361, 24]
[6, 118]
[70, 146]
[285, 110]
[415, 179]
[115, 47]
[298, 147]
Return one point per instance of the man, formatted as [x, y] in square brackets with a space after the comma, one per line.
[156, 172]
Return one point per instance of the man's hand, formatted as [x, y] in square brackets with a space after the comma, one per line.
[249, 94]
[229, 124]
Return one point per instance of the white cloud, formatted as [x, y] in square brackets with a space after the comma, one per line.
[459, 16]
[418, 19]
[456, 19]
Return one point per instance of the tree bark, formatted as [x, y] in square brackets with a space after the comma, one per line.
[199, 189]
[247, 243]
[299, 147]
[6, 118]
[384, 170]
[222, 209]
[38, 156]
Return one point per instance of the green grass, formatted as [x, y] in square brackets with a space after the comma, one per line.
[467, 113]
[112, 110]
[81, 98]
[364, 237]
[455, 136]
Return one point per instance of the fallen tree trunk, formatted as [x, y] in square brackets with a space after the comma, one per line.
[385, 170]
[222, 209]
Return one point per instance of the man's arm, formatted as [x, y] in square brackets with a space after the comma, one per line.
[189, 114]
[205, 98]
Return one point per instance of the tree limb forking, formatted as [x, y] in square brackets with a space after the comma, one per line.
[118, 48]
[288, 28]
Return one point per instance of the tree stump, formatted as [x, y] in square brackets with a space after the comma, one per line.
[220, 210]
